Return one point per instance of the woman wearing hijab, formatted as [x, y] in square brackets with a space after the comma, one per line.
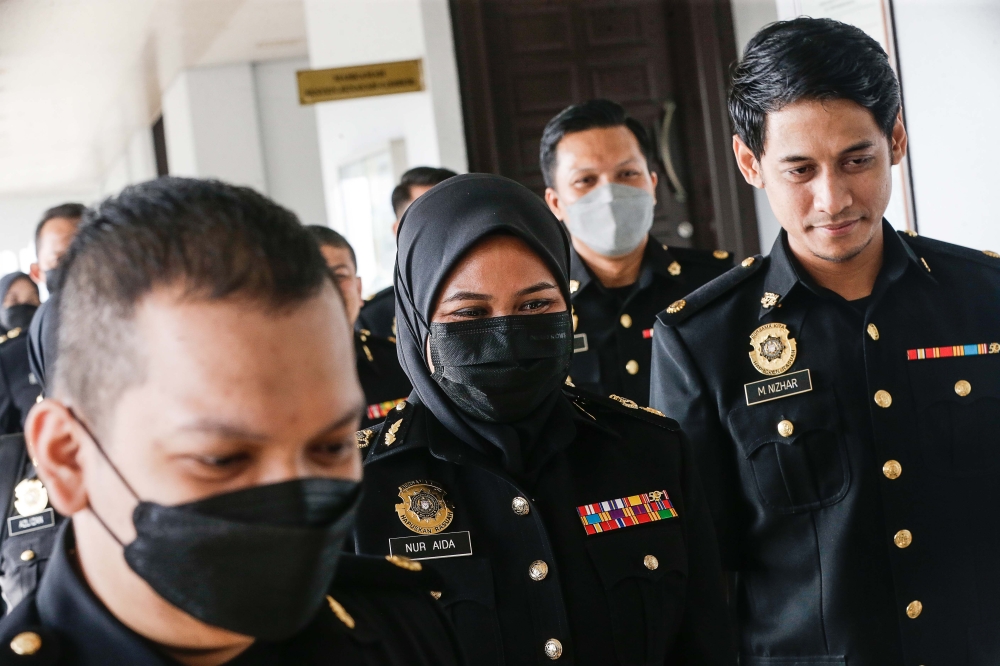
[18, 386]
[567, 526]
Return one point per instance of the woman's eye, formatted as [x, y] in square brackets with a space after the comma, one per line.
[470, 313]
[330, 449]
[223, 462]
[538, 304]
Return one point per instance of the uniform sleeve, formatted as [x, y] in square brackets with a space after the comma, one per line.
[706, 633]
[678, 390]
[10, 417]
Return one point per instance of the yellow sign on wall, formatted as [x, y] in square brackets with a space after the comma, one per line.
[387, 78]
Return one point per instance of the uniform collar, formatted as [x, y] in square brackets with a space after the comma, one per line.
[785, 273]
[67, 605]
[655, 262]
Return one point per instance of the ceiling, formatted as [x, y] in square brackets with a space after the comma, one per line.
[78, 77]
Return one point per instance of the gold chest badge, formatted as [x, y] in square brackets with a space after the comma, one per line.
[773, 352]
[424, 509]
[30, 497]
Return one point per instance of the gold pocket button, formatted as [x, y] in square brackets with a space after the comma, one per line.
[785, 428]
[903, 538]
[963, 388]
[914, 609]
[651, 562]
[626, 321]
[883, 399]
[632, 367]
[538, 570]
[892, 469]
[26, 643]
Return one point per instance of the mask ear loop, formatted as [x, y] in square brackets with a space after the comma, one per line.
[104, 455]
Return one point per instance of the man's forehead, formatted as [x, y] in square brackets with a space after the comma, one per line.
[808, 126]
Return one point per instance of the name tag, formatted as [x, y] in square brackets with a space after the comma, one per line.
[580, 343]
[432, 547]
[778, 387]
[17, 525]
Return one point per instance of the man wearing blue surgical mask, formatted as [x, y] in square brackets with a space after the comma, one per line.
[598, 169]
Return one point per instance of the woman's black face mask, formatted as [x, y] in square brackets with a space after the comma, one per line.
[501, 369]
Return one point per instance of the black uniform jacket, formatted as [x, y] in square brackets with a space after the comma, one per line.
[648, 593]
[613, 328]
[18, 387]
[378, 314]
[861, 514]
[382, 379]
[396, 621]
[25, 541]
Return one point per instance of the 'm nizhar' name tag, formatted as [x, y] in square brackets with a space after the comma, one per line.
[432, 546]
[23, 524]
[778, 387]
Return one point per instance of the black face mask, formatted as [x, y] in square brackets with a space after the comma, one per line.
[17, 316]
[257, 561]
[502, 368]
[53, 279]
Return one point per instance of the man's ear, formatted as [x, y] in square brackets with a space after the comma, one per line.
[35, 272]
[52, 437]
[899, 139]
[555, 203]
[748, 164]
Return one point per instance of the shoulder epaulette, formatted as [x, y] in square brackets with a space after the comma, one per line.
[924, 244]
[10, 335]
[716, 257]
[617, 405]
[391, 432]
[680, 310]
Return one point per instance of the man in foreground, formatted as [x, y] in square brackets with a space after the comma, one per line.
[200, 435]
[384, 383]
[849, 450]
[600, 181]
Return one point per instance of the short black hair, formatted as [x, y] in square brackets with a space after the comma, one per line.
[421, 175]
[69, 211]
[211, 240]
[325, 236]
[584, 116]
[809, 58]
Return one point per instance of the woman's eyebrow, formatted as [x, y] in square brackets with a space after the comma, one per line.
[467, 296]
[541, 286]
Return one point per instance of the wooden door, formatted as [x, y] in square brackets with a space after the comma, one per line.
[523, 61]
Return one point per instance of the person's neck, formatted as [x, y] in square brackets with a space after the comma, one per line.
[851, 279]
[613, 272]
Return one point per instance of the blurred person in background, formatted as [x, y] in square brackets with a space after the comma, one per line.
[209, 486]
[378, 314]
[598, 165]
[382, 379]
[19, 388]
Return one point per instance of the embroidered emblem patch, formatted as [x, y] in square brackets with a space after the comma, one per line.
[424, 509]
[626, 512]
[382, 409]
[949, 352]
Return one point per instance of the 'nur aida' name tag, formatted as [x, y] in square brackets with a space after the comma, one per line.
[432, 546]
[23, 524]
[778, 387]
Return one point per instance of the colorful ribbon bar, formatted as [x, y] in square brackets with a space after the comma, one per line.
[949, 352]
[648, 333]
[382, 409]
[626, 512]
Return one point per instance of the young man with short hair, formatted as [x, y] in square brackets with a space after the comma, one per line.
[382, 379]
[200, 437]
[598, 165]
[842, 393]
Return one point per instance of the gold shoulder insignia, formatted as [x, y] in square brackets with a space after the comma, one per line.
[911, 233]
[676, 306]
[924, 262]
[770, 299]
[574, 286]
[674, 268]
[748, 262]
[991, 253]
[340, 612]
[364, 331]
[720, 254]
[13, 333]
[631, 404]
[364, 437]
[390, 437]
[653, 411]
[404, 563]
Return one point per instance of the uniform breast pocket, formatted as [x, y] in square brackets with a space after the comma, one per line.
[958, 413]
[468, 598]
[795, 450]
[644, 573]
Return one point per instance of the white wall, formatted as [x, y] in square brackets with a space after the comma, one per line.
[347, 32]
[950, 58]
[289, 141]
[18, 217]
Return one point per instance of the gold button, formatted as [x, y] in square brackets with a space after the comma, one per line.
[903, 538]
[892, 469]
[785, 428]
[674, 268]
[553, 648]
[27, 555]
[435, 594]
[747, 263]
[720, 254]
[26, 643]
[914, 609]
[632, 367]
[883, 399]
[538, 570]
[963, 388]
[520, 506]
[873, 331]
[401, 406]
[676, 306]
[651, 562]
[626, 321]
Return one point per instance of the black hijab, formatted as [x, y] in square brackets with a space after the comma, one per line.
[7, 280]
[435, 233]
